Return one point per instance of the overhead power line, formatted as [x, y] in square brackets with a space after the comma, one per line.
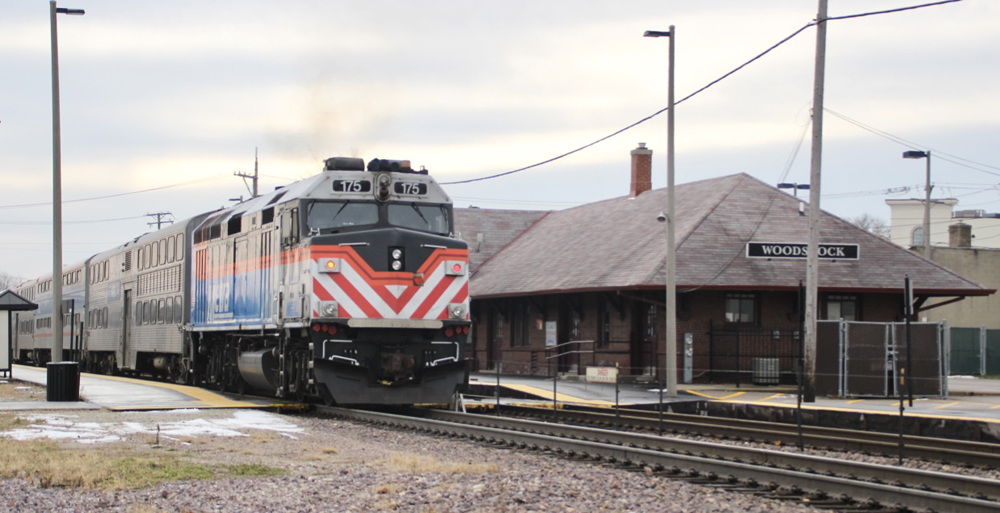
[181, 184]
[702, 89]
[88, 221]
[641, 121]
[938, 154]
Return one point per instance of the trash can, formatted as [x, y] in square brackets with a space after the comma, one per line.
[63, 381]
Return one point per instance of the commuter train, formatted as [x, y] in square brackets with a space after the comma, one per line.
[348, 287]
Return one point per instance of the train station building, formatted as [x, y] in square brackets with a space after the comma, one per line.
[587, 283]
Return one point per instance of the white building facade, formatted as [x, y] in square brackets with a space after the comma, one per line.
[907, 219]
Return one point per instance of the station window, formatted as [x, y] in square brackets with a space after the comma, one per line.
[498, 322]
[651, 322]
[519, 321]
[604, 323]
[741, 308]
[841, 306]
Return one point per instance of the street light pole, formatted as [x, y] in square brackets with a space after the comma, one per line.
[57, 319]
[671, 263]
[916, 154]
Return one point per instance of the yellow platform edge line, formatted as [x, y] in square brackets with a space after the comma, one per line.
[547, 394]
[701, 394]
[207, 397]
[907, 413]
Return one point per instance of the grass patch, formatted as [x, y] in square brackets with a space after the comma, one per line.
[49, 464]
[17, 390]
[10, 421]
[417, 463]
[253, 470]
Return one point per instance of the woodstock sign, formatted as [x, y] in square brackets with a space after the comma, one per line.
[794, 250]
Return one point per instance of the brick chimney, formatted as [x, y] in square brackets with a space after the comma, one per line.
[642, 170]
[960, 235]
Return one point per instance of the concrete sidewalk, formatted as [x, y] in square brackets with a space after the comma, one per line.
[126, 394]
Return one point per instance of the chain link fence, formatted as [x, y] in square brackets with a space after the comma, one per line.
[974, 352]
[873, 357]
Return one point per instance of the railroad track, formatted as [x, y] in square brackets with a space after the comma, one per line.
[819, 481]
[956, 452]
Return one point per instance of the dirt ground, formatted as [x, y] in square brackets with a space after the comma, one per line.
[13, 390]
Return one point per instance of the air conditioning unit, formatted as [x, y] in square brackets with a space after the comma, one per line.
[766, 371]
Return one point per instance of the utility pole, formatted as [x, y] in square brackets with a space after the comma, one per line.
[253, 177]
[160, 219]
[812, 257]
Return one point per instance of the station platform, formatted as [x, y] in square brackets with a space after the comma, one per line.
[117, 393]
[970, 399]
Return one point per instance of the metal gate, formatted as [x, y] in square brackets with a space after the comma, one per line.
[753, 354]
[870, 356]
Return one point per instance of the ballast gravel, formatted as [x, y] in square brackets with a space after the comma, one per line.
[334, 465]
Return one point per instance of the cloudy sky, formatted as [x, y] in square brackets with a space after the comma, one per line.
[163, 102]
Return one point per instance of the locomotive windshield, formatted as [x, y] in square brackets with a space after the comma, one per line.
[334, 216]
[420, 216]
[331, 216]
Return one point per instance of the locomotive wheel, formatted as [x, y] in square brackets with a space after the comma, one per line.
[300, 393]
[241, 385]
[218, 383]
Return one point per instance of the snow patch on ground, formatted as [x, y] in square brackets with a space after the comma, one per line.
[69, 427]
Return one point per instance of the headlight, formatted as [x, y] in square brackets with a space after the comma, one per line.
[396, 259]
[329, 309]
[457, 310]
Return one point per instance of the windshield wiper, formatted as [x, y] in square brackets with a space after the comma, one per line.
[419, 213]
[341, 209]
[329, 222]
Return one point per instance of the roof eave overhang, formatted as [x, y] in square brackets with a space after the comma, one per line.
[769, 288]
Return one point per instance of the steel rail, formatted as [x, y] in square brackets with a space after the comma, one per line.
[930, 448]
[731, 464]
[945, 482]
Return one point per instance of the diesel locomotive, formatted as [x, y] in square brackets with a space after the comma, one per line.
[348, 286]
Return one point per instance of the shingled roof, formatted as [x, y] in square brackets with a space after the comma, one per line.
[619, 244]
[487, 231]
